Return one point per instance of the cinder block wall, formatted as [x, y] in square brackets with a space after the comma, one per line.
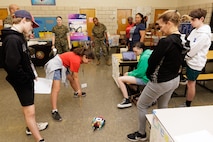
[106, 15]
[207, 6]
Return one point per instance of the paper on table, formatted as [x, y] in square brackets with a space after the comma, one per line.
[42, 86]
[199, 136]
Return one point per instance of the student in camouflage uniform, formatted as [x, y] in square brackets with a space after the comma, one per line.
[8, 21]
[100, 40]
[61, 38]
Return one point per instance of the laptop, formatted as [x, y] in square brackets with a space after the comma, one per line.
[185, 28]
[129, 56]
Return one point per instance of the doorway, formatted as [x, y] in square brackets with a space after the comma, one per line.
[90, 13]
[3, 15]
[122, 15]
[157, 13]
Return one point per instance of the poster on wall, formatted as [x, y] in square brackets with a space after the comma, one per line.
[43, 2]
[78, 27]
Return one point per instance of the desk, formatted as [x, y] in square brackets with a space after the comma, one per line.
[210, 55]
[171, 124]
[117, 62]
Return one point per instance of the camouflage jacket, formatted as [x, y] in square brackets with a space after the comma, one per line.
[99, 31]
[60, 34]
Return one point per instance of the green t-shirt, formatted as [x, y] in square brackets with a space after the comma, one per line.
[142, 66]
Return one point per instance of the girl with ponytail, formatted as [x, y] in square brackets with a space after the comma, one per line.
[64, 67]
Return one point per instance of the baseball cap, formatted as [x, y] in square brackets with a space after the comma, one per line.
[27, 15]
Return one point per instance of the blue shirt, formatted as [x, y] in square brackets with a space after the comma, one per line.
[135, 37]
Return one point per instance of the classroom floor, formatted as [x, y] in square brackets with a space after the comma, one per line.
[103, 95]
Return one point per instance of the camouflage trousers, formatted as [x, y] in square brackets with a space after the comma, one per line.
[61, 49]
[101, 48]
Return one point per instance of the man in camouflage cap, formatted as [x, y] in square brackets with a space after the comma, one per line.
[100, 40]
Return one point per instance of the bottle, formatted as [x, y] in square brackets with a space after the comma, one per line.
[54, 51]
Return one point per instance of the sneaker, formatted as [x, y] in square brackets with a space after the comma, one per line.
[56, 116]
[108, 63]
[183, 105]
[125, 103]
[41, 126]
[42, 140]
[98, 62]
[183, 81]
[136, 137]
[76, 94]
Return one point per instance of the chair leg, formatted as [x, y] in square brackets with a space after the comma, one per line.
[185, 91]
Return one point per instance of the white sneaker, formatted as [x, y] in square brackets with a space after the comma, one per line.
[125, 103]
[41, 126]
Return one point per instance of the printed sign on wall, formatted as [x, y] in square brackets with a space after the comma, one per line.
[78, 27]
[43, 2]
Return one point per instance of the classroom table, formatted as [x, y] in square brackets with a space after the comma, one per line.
[117, 63]
[188, 124]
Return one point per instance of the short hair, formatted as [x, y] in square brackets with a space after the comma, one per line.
[140, 45]
[95, 18]
[172, 16]
[185, 18]
[130, 17]
[59, 17]
[198, 13]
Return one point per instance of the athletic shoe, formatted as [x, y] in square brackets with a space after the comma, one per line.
[183, 105]
[108, 63]
[98, 62]
[56, 116]
[136, 136]
[125, 103]
[42, 140]
[41, 126]
[183, 81]
[76, 94]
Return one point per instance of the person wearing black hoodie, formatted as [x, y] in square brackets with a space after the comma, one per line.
[20, 70]
[163, 70]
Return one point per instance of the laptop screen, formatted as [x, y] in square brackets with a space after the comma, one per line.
[185, 28]
[129, 56]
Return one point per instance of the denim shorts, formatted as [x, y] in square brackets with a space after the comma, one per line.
[140, 81]
[192, 74]
[57, 74]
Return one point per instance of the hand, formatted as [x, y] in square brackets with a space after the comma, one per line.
[126, 74]
[92, 44]
[107, 42]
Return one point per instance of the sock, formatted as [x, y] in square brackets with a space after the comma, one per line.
[188, 103]
[55, 110]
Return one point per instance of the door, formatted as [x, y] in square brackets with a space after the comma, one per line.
[158, 12]
[90, 13]
[122, 15]
[3, 15]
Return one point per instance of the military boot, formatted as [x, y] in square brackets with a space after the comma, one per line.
[98, 62]
[108, 62]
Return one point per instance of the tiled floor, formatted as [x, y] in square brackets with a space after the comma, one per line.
[101, 100]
